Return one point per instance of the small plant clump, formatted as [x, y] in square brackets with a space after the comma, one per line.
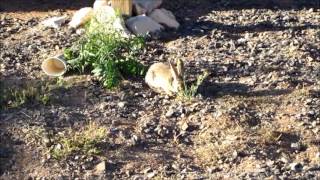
[107, 54]
[86, 141]
[190, 92]
[15, 97]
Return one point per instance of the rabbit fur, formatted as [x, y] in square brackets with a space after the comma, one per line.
[166, 78]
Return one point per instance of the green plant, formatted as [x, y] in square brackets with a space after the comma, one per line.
[86, 141]
[190, 92]
[106, 53]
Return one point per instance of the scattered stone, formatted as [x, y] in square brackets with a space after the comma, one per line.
[296, 146]
[122, 104]
[270, 163]
[100, 168]
[235, 154]
[170, 112]
[143, 25]
[58, 147]
[296, 166]
[185, 126]
[54, 22]
[147, 170]
[138, 177]
[80, 17]
[151, 174]
[80, 31]
[164, 17]
[134, 140]
[46, 141]
[161, 131]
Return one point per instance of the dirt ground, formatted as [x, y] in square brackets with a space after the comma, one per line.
[257, 115]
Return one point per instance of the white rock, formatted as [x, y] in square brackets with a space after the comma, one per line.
[107, 15]
[151, 175]
[122, 104]
[81, 17]
[100, 3]
[100, 168]
[80, 31]
[165, 17]
[145, 6]
[119, 24]
[142, 25]
[170, 112]
[54, 22]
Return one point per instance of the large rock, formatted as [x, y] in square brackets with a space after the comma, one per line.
[142, 25]
[138, 9]
[145, 6]
[107, 15]
[165, 17]
[81, 17]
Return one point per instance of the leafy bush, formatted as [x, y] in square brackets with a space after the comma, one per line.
[107, 53]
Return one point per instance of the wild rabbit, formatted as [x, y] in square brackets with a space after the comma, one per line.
[164, 78]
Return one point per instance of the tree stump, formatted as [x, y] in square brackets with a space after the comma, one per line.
[124, 6]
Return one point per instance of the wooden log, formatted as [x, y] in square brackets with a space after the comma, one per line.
[124, 6]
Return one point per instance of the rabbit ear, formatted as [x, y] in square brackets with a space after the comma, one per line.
[173, 71]
[180, 67]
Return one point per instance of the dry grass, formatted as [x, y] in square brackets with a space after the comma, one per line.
[219, 139]
[17, 92]
[15, 97]
[87, 141]
[310, 155]
[231, 131]
[268, 135]
[247, 165]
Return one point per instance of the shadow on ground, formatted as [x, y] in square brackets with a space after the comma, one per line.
[238, 89]
[205, 6]
[284, 143]
[6, 150]
[191, 25]
[28, 91]
[42, 5]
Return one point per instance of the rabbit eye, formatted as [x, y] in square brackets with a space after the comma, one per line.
[171, 81]
[153, 75]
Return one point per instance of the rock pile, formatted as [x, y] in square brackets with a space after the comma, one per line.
[149, 17]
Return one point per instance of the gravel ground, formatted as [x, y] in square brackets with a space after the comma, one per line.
[257, 115]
